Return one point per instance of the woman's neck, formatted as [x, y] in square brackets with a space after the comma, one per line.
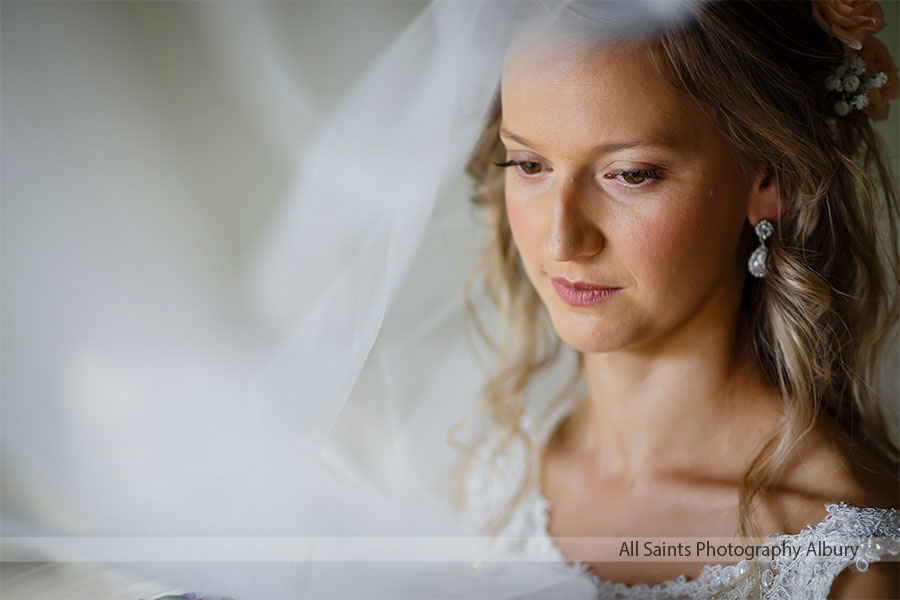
[672, 407]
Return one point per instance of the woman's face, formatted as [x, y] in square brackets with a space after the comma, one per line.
[625, 183]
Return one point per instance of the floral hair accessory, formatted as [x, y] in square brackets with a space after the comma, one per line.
[865, 81]
[848, 80]
[851, 21]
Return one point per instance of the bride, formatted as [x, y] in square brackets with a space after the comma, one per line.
[727, 388]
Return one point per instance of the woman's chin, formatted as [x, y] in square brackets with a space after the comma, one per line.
[587, 333]
[589, 346]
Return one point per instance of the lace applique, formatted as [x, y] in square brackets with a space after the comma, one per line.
[786, 578]
[489, 492]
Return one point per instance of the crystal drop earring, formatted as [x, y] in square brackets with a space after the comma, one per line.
[757, 263]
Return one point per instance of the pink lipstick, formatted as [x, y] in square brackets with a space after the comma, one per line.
[579, 293]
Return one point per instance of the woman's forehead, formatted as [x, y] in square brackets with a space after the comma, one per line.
[594, 94]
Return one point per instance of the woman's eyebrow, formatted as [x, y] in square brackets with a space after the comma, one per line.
[656, 142]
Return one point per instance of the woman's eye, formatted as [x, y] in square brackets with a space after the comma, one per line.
[634, 178]
[528, 167]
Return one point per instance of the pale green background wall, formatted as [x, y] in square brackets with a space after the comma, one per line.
[890, 129]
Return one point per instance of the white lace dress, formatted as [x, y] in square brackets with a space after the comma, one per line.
[525, 537]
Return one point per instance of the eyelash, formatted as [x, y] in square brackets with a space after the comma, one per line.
[648, 173]
[517, 163]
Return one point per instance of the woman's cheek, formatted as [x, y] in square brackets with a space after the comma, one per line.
[658, 249]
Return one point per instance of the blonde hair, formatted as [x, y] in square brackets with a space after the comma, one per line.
[818, 322]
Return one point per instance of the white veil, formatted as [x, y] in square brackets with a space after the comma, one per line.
[199, 424]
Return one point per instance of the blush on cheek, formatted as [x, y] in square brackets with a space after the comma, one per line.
[664, 249]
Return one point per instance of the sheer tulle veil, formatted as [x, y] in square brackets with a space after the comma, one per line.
[311, 399]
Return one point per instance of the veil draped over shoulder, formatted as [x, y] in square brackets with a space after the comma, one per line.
[197, 414]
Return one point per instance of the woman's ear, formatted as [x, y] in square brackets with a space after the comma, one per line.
[765, 197]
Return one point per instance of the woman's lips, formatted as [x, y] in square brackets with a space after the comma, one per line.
[579, 293]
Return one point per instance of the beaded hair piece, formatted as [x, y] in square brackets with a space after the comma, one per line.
[849, 81]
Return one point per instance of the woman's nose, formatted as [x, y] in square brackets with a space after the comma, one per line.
[571, 233]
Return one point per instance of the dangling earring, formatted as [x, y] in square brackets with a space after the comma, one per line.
[757, 263]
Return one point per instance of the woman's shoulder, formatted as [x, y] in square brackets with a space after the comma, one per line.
[825, 473]
[834, 491]
[829, 467]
